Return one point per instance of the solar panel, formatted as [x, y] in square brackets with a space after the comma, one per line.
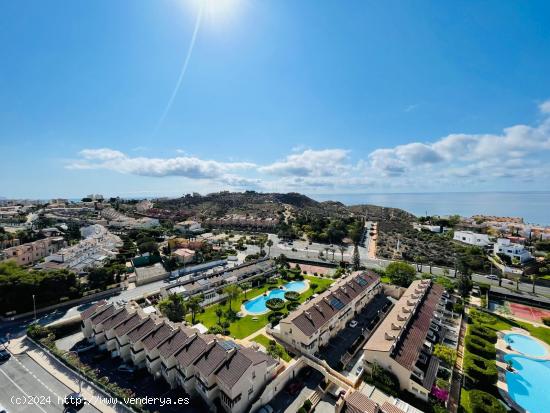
[361, 281]
[228, 345]
[336, 303]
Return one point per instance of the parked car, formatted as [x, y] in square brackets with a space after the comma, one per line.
[266, 409]
[294, 388]
[125, 368]
[74, 402]
[359, 370]
[3, 409]
[353, 323]
[492, 277]
[82, 347]
[4, 355]
[100, 356]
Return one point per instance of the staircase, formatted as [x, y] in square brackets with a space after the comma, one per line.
[316, 397]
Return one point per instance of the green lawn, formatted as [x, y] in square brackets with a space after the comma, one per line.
[245, 326]
[264, 341]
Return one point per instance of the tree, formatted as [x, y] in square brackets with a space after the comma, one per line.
[400, 273]
[356, 260]
[173, 307]
[446, 354]
[194, 305]
[313, 286]
[274, 350]
[232, 291]
[269, 244]
[342, 249]
[100, 278]
[219, 313]
[246, 286]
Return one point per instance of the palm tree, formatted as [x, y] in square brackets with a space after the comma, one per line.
[533, 279]
[342, 249]
[194, 305]
[269, 244]
[232, 292]
[219, 313]
[245, 286]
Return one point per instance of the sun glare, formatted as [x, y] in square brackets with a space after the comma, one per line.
[216, 11]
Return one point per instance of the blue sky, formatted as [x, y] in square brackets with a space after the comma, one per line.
[279, 95]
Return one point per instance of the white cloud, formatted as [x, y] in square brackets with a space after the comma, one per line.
[326, 162]
[185, 166]
[545, 107]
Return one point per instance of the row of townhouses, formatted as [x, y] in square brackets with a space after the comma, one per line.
[201, 364]
[404, 342]
[313, 324]
[32, 252]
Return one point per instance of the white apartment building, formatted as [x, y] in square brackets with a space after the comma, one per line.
[314, 323]
[403, 343]
[188, 226]
[472, 238]
[514, 251]
[202, 364]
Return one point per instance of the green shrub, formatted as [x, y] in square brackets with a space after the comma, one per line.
[480, 347]
[481, 371]
[291, 306]
[482, 402]
[275, 317]
[307, 405]
[292, 296]
[275, 304]
[484, 332]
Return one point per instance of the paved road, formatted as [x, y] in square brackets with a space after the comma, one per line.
[22, 379]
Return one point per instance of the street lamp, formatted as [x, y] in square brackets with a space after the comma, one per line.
[34, 306]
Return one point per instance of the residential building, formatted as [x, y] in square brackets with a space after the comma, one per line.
[514, 251]
[403, 343]
[314, 323]
[202, 364]
[184, 255]
[188, 226]
[32, 252]
[472, 238]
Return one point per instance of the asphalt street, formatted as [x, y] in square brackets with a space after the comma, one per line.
[27, 388]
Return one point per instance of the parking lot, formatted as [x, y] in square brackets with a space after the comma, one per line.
[370, 315]
[140, 382]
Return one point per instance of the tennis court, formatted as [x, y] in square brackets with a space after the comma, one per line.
[528, 313]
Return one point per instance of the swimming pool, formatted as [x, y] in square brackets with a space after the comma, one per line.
[525, 345]
[257, 305]
[526, 383]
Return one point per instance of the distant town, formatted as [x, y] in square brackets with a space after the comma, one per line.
[265, 302]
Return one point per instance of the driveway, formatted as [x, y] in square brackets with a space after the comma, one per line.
[346, 339]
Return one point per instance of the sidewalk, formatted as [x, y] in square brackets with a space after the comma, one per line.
[63, 374]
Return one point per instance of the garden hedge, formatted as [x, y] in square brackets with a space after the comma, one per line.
[484, 332]
[292, 296]
[480, 347]
[481, 371]
[275, 304]
[482, 402]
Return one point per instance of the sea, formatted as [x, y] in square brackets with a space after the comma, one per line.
[533, 207]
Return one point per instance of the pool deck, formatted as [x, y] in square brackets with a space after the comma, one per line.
[502, 351]
[245, 312]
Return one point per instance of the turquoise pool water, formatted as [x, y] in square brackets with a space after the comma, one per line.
[257, 305]
[525, 345]
[526, 385]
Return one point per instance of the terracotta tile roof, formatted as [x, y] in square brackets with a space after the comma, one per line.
[357, 402]
[128, 325]
[175, 342]
[141, 330]
[193, 348]
[157, 336]
[320, 310]
[103, 314]
[87, 313]
[118, 317]
[238, 363]
[212, 359]
[391, 408]
[409, 346]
